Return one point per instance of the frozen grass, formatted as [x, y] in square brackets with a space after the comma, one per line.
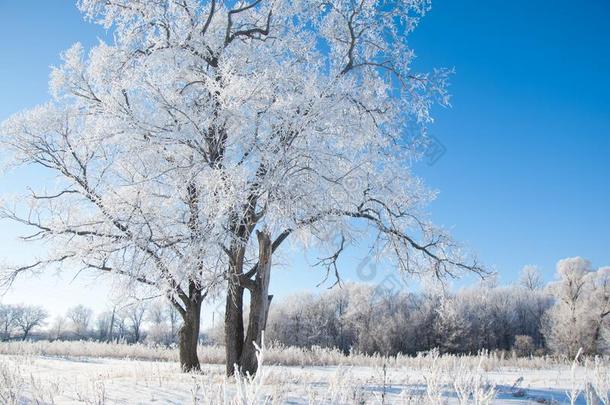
[91, 373]
[276, 355]
[91, 349]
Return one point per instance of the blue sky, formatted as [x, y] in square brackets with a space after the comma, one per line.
[526, 175]
[525, 178]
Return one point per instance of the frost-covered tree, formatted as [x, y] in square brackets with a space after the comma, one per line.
[292, 321]
[450, 326]
[28, 318]
[370, 319]
[566, 327]
[159, 331]
[208, 133]
[58, 328]
[157, 313]
[80, 317]
[600, 303]
[136, 315]
[173, 318]
[120, 325]
[103, 326]
[582, 305]
[530, 278]
[8, 318]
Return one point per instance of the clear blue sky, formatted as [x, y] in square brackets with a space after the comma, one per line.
[525, 179]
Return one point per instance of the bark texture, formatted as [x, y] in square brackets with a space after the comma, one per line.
[240, 350]
[189, 337]
[259, 304]
[234, 328]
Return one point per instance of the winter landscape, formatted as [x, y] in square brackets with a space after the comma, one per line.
[285, 202]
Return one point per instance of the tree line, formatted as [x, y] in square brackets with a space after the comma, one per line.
[154, 322]
[20, 320]
[562, 317]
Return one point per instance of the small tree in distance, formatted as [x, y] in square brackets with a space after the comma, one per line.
[8, 319]
[136, 313]
[29, 317]
[58, 328]
[530, 278]
[80, 318]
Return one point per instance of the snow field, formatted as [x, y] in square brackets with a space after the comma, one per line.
[44, 379]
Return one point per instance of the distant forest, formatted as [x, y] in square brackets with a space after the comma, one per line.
[529, 317]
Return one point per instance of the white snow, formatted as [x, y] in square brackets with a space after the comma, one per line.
[41, 379]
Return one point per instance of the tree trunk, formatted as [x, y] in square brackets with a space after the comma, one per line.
[240, 352]
[234, 327]
[259, 304]
[596, 337]
[111, 327]
[189, 337]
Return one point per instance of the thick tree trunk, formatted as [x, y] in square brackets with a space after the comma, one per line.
[189, 337]
[234, 327]
[259, 304]
[596, 337]
[240, 352]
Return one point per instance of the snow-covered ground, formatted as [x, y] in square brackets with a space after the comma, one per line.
[44, 379]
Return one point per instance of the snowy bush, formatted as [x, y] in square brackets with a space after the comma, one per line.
[524, 345]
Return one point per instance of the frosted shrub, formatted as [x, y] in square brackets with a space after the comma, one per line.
[601, 381]
[249, 387]
[12, 383]
[472, 388]
[98, 394]
[434, 380]
[575, 388]
[524, 345]
[209, 392]
[483, 392]
[468, 381]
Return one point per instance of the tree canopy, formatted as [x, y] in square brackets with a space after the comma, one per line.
[203, 121]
